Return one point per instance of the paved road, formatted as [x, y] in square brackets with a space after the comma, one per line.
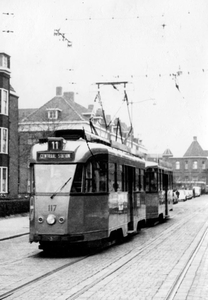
[171, 255]
[13, 226]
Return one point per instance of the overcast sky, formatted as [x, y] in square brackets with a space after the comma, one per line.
[159, 46]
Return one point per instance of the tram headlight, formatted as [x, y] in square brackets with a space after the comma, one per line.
[51, 219]
[61, 220]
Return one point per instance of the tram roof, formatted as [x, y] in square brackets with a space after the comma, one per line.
[161, 165]
[151, 164]
[83, 150]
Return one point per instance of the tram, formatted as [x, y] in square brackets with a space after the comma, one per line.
[84, 191]
[159, 190]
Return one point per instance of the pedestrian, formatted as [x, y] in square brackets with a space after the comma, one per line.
[177, 194]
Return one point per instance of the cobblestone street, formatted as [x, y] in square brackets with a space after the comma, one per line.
[167, 261]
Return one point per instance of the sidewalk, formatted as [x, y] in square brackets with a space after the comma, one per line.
[14, 226]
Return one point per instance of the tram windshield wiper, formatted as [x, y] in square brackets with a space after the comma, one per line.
[60, 189]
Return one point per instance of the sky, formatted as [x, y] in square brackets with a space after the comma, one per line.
[160, 47]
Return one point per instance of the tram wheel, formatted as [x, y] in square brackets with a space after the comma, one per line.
[161, 218]
[139, 226]
[119, 238]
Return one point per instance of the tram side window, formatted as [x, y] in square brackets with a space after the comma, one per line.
[151, 181]
[103, 178]
[137, 173]
[141, 179]
[119, 178]
[77, 186]
[134, 178]
[159, 180]
[88, 178]
[147, 181]
[113, 186]
[124, 178]
[96, 177]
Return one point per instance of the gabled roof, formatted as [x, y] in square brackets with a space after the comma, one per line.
[25, 112]
[70, 110]
[195, 149]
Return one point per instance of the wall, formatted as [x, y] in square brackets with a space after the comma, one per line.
[13, 146]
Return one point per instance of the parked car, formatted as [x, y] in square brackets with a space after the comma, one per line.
[189, 194]
[182, 195]
[196, 191]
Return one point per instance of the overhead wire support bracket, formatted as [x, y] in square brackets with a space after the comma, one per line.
[113, 84]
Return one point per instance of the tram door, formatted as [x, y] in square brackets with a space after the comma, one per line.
[130, 189]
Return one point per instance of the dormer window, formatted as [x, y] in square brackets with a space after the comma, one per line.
[53, 113]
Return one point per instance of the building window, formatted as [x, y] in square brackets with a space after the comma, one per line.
[195, 165]
[203, 165]
[3, 102]
[3, 61]
[177, 165]
[3, 140]
[186, 165]
[3, 180]
[53, 113]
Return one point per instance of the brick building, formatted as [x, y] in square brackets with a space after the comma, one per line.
[189, 170]
[192, 168]
[8, 132]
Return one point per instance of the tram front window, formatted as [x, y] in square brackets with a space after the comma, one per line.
[54, 178]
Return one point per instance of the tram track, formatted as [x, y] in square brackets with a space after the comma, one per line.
[13, 236]
[22, 286]
[90, 283]
[104, 273]
[108, 269]
[181, 276]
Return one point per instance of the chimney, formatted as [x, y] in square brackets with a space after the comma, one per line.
[195, 138]
[69, 96]
[59, 91]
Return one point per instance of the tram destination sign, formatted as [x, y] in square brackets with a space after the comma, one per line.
[55, 156]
